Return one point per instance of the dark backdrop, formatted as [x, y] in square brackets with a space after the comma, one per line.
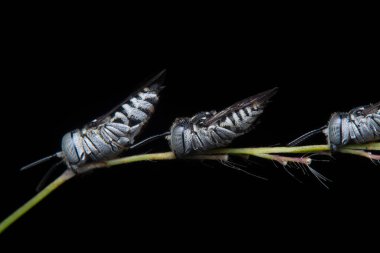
[59, 79]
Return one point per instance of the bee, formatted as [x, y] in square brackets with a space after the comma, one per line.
[360, 125]
[210, 130]
[109, 135]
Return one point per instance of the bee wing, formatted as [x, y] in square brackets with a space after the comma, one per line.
[154, 83]
[258, 100]
[371, 108]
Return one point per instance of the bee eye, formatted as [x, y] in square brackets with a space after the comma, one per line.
[359, 113]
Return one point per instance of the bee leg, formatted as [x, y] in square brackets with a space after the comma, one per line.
[47, 176]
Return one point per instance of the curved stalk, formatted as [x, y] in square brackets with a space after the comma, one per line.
[219, 154]
[35, 200]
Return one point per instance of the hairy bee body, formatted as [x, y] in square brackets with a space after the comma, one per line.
[209, 130]
[360, 125]
[108, 136]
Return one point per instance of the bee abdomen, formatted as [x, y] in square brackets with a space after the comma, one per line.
[370, 127]
[376, 119]
[134, 114]
[212, 137]
[138, 109]
[374, 125]
[97, 147]
[149, 96]
[240, 121]
[366, 132]
[142, 105]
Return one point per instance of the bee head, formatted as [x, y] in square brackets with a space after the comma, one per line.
[72, 149]
[337, 131]
[180, 137]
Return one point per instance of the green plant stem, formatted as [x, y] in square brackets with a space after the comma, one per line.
[148, 157]
[367, 146]
[272, 150]
[139, 158]
[285, 160]
[362, 153]
[35, 200]
[68, 174]
[219, 154]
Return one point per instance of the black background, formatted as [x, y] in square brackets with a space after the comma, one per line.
[59, 77]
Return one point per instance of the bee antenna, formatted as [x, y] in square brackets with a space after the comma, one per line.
[306, 136]
[59, 154]
[149, 139]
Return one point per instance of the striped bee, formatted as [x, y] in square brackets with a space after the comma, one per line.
[360, 125]
[209, 130]
[114, 132]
